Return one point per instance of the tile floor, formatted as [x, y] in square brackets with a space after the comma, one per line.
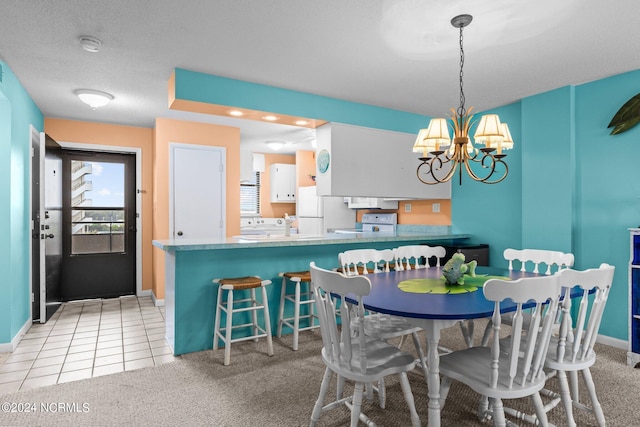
[86, 339]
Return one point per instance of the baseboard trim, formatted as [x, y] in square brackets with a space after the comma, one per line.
[157, 302]
[9, 347]
[145, 293]
[613, 342]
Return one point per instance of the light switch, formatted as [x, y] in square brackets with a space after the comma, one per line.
[407, 207]
[435, 208]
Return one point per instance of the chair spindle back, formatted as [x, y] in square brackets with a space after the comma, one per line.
[365, 261]
[581, 337]
[404, 254]
[338, 344]
[525, 356]
[554, 260]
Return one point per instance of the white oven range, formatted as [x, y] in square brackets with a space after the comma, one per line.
[379, 222]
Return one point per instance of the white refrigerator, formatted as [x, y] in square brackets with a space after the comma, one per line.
[316, 214]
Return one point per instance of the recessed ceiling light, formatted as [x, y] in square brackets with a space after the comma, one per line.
[271, 118]
[302, 122]
[94, 98]
[90, 44]
[236, 113]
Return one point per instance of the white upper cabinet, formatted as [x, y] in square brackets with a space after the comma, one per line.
[358, 161]
[283, 183]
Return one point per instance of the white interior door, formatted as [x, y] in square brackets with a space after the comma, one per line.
[197, 192]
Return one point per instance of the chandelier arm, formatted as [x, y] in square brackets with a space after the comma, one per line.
[492, 167]
[433, 164]
[506, 172]
[472, 174]
[494, 162]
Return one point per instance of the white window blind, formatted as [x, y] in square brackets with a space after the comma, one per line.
[250, 196]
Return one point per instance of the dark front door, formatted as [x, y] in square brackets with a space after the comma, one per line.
[46, 202]
[99, 225]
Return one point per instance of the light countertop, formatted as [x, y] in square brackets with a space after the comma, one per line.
[261, 241]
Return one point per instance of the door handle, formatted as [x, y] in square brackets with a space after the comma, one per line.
[48, 236]
[179, 233]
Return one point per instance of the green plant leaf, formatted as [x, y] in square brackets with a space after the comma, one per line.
[624, 126]
[627, 116]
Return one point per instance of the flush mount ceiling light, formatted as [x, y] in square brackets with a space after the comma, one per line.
[94, 98]
[275, 145]
[439, 164]
[90, 44]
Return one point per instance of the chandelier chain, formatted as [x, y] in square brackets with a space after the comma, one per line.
[461, 110]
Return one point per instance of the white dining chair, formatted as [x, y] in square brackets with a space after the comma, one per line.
[552, 260]
[532, 260]
[353, 356]
[571, 350]
[365, 261]
[378, 325]
[517, 372]
[404, 254]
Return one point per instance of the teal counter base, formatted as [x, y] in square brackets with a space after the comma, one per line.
[190, 294]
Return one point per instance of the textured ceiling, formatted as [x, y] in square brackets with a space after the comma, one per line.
[400, 54]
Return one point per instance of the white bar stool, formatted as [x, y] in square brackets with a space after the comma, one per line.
[298, 298]
[231, 306]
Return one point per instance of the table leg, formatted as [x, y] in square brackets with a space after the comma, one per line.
[433, 380]
[432, 328]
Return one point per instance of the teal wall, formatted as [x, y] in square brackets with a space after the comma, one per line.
[548, 171]
[607, 199]
[193, 86]
[17, 112]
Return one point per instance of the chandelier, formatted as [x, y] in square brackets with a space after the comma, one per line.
[441, 159]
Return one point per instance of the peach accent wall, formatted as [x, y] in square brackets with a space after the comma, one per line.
[169, 131]
[306, 163]
[268, 209]
[421, 212]
[120, 136]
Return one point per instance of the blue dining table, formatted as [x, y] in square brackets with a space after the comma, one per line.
[432, 312]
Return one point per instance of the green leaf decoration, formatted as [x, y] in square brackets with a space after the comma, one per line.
[439, 286]
[627, 116]
[624, 126]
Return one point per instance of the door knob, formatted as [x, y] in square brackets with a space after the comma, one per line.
[179, 233]
[49, 236]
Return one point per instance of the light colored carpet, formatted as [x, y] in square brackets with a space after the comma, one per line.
[278, 391]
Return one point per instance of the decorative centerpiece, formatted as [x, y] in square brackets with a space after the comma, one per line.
[455, 269]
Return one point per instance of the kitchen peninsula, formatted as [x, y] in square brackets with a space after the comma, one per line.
[191, 265]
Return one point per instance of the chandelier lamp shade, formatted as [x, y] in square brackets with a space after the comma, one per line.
[442, 157]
